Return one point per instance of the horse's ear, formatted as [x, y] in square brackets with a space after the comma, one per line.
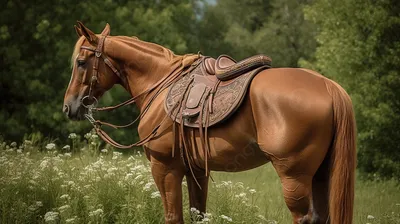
[90, 36]
[106, 30]
[78, 31]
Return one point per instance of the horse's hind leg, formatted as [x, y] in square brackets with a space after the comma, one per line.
[307, 197]
[297, 178]
[297, 192]
[320, 194]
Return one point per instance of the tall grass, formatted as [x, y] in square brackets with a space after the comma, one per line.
[50, 184]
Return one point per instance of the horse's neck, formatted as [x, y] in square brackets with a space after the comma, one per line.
[143, 64]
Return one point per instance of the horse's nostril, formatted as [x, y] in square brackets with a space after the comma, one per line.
[66, 109]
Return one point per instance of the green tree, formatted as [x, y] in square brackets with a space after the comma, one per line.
[244, 28]
[37, 41]
[359, 46]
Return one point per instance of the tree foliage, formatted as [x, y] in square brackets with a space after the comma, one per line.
[359, 46]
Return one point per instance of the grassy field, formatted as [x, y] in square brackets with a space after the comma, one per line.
[48, 184]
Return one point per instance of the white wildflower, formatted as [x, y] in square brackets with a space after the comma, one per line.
[370, 217]
[19, 151]
[194, 210]
[39, 203]
[252, 191]
[138, 177]
[72, 136]
[116, 155]
[33, 208]
[13, 144]
[112, 169]
[147, 187]
[68, 154]
[229, 219]
[97, 212]
[104, 150]
[63, 208]
[66, 147]
[88, 135]
[71, 220]
[227, 183]
[239, 184]
[3, 160]
[241, 195]
[138, 167]
[44, 164]
[50, 146]
[204, 220]
[128, 176]
[51, 216]
[65, 196]
[155, 194]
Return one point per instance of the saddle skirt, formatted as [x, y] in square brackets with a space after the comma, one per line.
[213, 90]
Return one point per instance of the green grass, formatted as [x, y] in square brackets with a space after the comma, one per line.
[380, 199]
[39, 185]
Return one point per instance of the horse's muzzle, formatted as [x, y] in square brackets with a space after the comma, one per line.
[74, 110]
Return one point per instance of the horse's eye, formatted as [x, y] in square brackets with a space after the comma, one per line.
[81, 63]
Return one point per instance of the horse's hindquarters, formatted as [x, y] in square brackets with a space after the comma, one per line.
[293, 115]
[292, 109]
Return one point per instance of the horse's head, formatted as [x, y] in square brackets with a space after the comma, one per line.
[93, 72]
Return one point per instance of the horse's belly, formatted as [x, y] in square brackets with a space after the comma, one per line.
[237, 158]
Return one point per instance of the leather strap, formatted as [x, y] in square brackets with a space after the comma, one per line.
[168, 80]
[161, 85]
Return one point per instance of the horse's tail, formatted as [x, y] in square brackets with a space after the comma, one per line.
[342, 156]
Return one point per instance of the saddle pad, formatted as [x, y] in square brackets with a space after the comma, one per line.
[227, 98]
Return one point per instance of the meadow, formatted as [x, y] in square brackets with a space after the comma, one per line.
[41, 182]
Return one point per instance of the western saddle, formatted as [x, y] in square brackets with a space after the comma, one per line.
[206, 95]
[213, 90]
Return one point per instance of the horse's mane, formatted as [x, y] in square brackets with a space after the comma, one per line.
[156, 48]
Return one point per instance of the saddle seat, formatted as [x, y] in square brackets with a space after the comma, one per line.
[213, 90]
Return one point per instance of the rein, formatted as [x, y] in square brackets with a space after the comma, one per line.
[158, 87]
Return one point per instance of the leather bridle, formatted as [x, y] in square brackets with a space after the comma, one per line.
[98, 52]
[158, 87]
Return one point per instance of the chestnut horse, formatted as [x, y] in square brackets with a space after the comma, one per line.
[300, 121]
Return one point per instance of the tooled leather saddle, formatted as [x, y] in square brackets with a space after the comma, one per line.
[213, 90]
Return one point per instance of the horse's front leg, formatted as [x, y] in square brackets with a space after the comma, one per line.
[168, 177]
[197, 195]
